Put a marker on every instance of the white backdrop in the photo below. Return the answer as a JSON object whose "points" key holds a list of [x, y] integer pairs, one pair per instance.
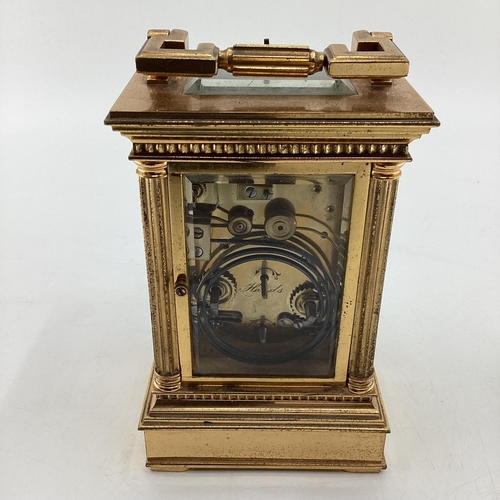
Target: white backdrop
{"points": [[74, 318]]}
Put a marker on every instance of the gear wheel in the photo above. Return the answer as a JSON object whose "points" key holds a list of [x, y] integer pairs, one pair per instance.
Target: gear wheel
{"points": [[227, 285], [300, 296]]}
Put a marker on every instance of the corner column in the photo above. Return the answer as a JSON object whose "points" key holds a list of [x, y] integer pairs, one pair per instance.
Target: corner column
{"points": [[153, 181], [378, 225]]}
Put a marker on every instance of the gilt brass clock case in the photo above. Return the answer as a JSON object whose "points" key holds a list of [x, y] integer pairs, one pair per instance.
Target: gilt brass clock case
{"points": [[267, 199]]}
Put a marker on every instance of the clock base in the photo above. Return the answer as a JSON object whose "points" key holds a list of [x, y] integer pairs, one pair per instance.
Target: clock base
{"points": [[326, 428]]}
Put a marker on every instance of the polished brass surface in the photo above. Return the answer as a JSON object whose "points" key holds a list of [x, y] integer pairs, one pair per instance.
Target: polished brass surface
{"points": [[373, 56], [235, 420]]}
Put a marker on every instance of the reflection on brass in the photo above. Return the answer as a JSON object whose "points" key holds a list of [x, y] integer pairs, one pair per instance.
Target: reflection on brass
{"points": [[373, 56], [267, 222]]}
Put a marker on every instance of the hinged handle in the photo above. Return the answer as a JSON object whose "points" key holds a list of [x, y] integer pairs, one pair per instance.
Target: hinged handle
{"points": [[373, 56]]}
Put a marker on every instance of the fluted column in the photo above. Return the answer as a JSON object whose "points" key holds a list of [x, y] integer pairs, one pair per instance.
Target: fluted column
{"points": [[378, 224], [157, 241]]}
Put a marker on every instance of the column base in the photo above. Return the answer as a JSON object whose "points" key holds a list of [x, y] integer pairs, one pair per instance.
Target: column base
{"points": [[361, 385], [264, 428], [166, 384]]}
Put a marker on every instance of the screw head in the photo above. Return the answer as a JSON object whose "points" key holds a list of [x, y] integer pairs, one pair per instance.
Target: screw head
{"points": [[251, 192], [180, 287]]}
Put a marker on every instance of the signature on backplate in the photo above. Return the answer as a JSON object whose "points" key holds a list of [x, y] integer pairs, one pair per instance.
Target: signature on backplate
{"points": [[251, 288], [255, 287]]}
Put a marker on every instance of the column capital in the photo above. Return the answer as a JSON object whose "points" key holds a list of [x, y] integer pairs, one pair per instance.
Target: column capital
{"points": [[151, 169], [387, 171]]}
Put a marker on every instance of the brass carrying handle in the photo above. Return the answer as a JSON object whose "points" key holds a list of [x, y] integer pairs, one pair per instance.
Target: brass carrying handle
{"points": [[373, 56]]}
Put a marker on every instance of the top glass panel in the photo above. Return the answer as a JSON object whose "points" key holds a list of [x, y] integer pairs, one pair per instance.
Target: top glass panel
{"points": [[226, 84]]}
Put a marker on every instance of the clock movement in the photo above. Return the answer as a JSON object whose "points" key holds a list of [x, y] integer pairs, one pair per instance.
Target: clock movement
{"points": [[268, 177]]}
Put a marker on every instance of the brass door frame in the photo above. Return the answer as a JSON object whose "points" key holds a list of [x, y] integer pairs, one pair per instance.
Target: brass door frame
{"points": [[361, 172]]}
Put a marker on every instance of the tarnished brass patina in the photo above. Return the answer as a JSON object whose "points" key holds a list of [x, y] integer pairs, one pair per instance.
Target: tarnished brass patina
{"points": [[267, 208]]}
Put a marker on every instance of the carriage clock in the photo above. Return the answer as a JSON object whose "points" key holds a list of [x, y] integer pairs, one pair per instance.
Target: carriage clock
{"points": [[268, 177]]}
